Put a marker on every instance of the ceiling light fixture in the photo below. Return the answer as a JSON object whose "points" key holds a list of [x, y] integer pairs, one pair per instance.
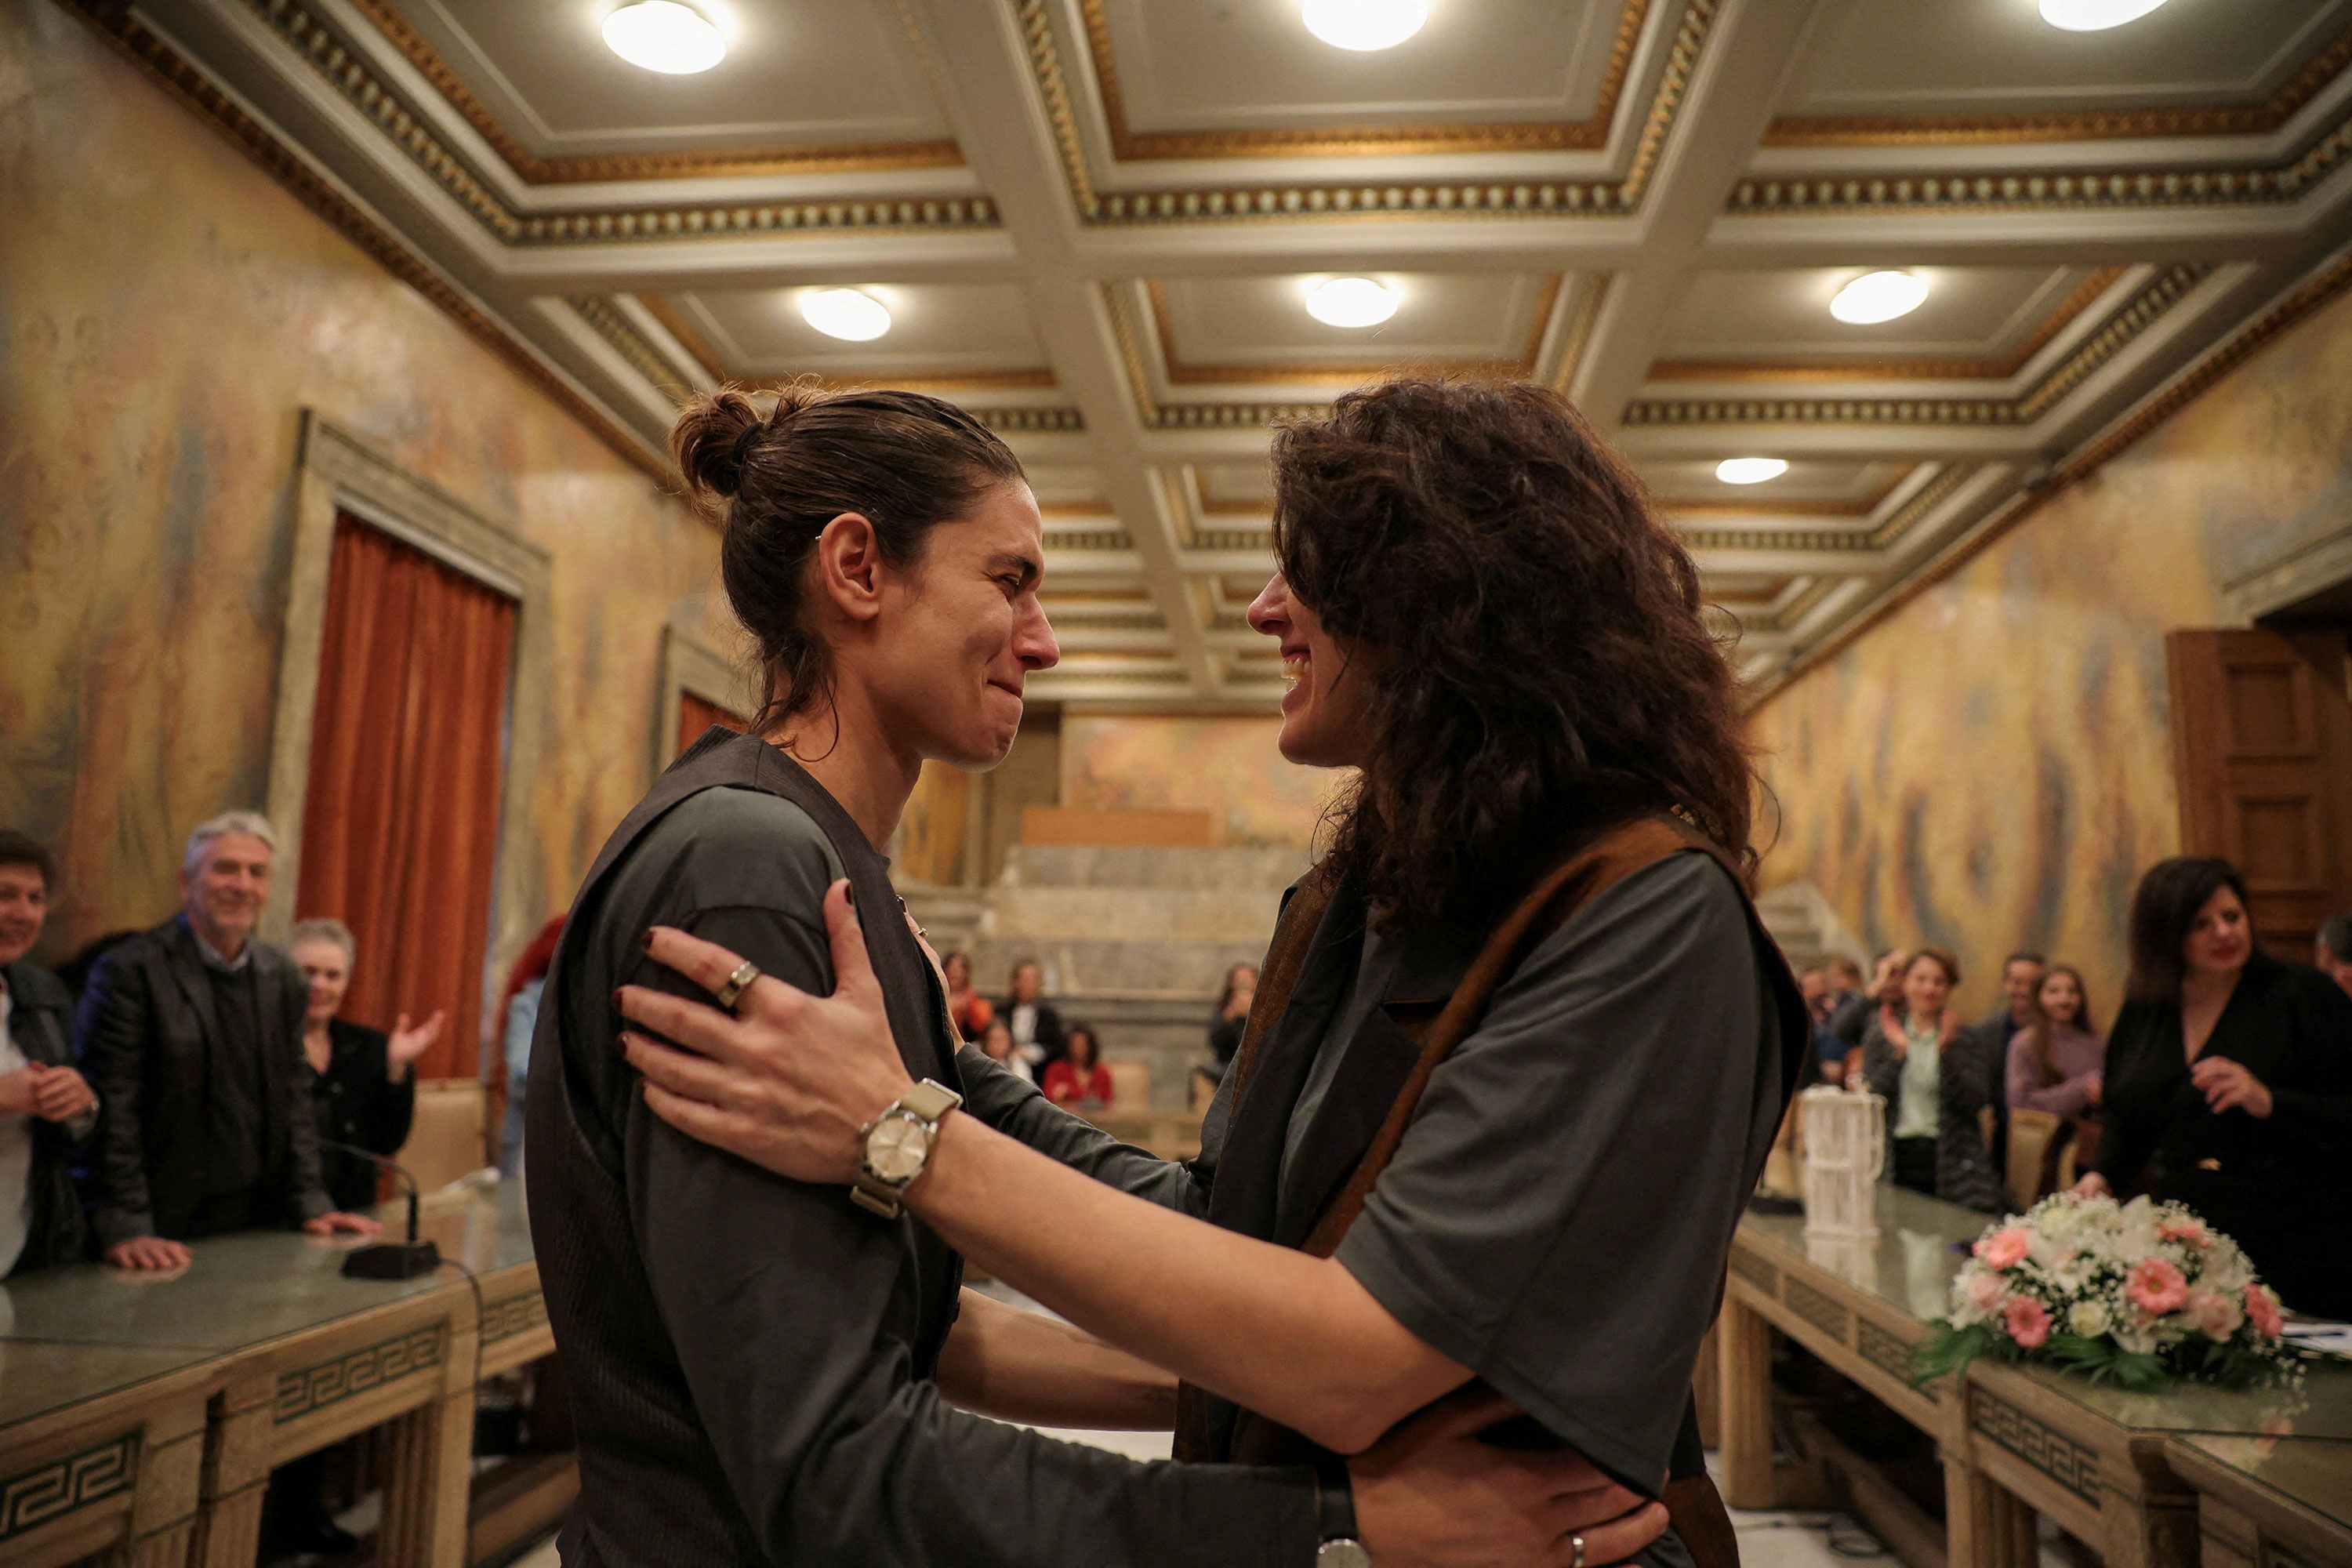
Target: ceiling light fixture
{"points": [[1877, 297], [1364, 24], [2095, 16], [665, 37], [850, 314], [1351, 302], [1750, 470]]}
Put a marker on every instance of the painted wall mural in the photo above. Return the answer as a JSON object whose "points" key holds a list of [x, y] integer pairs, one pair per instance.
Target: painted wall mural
{"points": [[1228, 766], [167, 313], [1992, 766]]}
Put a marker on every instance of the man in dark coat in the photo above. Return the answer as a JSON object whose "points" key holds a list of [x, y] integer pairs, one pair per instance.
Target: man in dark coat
{"points": [[46, 1109], [193, 1036]]}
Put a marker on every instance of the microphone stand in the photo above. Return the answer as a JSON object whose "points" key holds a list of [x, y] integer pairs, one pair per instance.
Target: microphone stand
{"points": [[388, 1259]]}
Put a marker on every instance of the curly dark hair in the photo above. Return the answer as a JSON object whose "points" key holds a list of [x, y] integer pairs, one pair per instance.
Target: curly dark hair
{"points": [[1548, 674]]}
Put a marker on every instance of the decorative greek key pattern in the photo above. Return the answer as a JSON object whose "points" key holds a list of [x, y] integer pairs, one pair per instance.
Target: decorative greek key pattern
{"points": [[1823, 1312], [1756, 1271], [1887, 1354], [2061, 1458], [330, 1382], [503, 1320], [65, 1486]]}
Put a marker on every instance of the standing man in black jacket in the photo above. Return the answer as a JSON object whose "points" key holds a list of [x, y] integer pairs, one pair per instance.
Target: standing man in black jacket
{"points": [[192, 1036], [46, 1109]]}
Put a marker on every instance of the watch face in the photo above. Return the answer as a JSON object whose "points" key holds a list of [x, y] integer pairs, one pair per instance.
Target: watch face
{"points": [[1343, 1554], [896, 1147]]}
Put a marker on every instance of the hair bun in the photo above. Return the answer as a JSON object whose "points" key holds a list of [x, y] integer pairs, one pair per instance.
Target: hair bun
{"points": [[709, 441]]}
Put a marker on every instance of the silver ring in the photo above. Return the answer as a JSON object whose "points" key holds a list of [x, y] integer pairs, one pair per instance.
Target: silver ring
{"points": [[1577, 1543], [737, 983]]}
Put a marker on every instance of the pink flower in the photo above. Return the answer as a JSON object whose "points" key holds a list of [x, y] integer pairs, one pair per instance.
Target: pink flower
{"points": [[2217, 1317], [1984, 1293], [2263, 1309], [2187, 1232], [2028, 1321], [2003, 1248], [2157, 1288]]}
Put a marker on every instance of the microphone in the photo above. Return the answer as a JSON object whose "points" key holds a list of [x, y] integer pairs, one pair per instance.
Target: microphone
{"points": [[388, 1259]]}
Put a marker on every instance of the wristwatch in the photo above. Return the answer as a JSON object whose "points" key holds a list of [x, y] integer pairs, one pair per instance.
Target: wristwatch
{"points": [[1335, 1517], [899, 1145]]}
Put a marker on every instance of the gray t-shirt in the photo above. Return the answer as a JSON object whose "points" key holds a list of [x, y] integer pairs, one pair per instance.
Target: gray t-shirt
{"points": [[1557, 1215]]}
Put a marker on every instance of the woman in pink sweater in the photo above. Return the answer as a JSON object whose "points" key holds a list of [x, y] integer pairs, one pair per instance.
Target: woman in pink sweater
{"points": [[2056, 1061]]}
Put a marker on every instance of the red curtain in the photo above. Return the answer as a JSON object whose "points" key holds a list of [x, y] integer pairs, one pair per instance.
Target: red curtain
{"points": [[696, 714], [400, 827]]}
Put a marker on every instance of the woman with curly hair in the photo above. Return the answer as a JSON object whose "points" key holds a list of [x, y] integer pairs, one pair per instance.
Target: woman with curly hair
{"points": [[1519, 1046]]}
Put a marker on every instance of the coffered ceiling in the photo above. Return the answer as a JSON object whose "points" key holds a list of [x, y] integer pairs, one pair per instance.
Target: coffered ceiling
{"points": [[1096, 222]]}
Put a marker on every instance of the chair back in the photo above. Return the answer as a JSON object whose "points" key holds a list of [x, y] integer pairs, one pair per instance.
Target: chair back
{"points": [[2031, 1134], [1130, 1084], [449, 1138]]}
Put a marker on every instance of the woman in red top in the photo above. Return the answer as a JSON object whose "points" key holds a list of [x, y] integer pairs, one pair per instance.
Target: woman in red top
{"points": [[968, 1008], [1079, 1076]]}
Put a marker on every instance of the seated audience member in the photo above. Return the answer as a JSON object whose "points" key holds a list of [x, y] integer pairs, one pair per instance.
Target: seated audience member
{"points": [[1933, 1142], [2055, 1064], [364, 1090], [996, 1044], [967, 1007], [1036, 1028], [1231, 1016], [46, 1108], [2331, 949], [518, 1017], [191, 1034], [2228, 1085], [1079, 1078]]}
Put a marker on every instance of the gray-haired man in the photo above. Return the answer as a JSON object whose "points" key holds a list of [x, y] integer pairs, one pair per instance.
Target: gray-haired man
{"points": [[191, 1034]]}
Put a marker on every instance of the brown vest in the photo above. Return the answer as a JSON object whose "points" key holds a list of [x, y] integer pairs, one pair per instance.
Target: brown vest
{"points": [[1208, 1430]]}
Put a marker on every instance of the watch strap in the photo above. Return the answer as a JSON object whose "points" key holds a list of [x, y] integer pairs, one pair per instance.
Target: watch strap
{"points": [[929, 1101], [1335, 1499]]}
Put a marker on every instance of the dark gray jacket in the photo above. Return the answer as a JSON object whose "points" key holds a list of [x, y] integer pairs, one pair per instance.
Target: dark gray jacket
{"points": [[1965, 1173], [749, 1358], [145, 1031], [40, 1018]]}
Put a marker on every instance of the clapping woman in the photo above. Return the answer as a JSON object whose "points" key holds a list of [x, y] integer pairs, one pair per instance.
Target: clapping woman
{"points": [[365, 1088], [1933, 1142], [2228, 1084]]}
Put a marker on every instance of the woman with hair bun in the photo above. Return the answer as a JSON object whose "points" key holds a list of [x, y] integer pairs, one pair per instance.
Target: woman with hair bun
{"points": [[765, 1371], [1520, 1046]]}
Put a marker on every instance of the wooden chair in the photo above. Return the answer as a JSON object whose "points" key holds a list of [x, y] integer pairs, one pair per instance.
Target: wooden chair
{"points": [[1130, 1084], [2031, 1134], [449, 1138]]}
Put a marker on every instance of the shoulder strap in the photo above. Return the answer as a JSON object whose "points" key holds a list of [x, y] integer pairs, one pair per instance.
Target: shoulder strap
{"points": [[1571, 886]]}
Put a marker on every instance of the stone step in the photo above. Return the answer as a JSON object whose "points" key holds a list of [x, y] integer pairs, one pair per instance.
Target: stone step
{"points": [[1148, 915], [1080, 866]]}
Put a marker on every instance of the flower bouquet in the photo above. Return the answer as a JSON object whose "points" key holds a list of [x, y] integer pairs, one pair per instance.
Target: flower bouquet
{"points": [[2136, 1294]]}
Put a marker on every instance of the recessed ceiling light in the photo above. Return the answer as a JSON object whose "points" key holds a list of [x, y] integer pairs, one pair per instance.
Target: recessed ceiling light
{"points": [[851, 314], [1364, 24], [665, 37], [1750, 470], [1877, 297], [2095, 16], [1351, 302]]}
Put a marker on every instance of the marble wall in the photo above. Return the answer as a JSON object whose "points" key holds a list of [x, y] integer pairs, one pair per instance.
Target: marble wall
{"points": [[1991, 766], [1226, 766], [167, 313]]}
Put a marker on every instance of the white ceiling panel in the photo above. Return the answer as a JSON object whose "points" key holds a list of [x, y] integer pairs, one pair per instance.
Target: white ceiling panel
{"points": [[1264, 321], [936, 329], [1785, 314]]}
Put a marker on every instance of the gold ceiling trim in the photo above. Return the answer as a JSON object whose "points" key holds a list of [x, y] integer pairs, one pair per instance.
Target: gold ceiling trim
{"points": [[532, 169], [2159, 189], [1928, 496], [1480, 198], [2151, 413], [2087, 126], [1590, 293], [132, 37], [1234, 539], [2132, 317], [1528, 136], [1790, 541], [1309, 373], [2044, 331], [625, 340], [698, 348], [317, 46]]}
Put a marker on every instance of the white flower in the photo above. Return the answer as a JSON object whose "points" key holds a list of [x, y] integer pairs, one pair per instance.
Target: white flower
{"points": [[2089, 1317]]}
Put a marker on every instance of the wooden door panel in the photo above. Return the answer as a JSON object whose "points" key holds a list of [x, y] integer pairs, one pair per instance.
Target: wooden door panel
{"points": [[2263, 750]]}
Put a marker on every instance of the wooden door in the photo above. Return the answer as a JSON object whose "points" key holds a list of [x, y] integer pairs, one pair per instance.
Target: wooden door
{"points": [[2262, 738]]}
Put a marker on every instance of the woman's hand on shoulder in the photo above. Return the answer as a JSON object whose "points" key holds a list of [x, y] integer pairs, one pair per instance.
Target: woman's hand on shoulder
{"points": [[788, 1080]]}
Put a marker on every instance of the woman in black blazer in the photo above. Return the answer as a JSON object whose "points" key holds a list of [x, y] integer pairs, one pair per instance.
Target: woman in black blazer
{"points": [[365, 1089], [2228, 1082]]}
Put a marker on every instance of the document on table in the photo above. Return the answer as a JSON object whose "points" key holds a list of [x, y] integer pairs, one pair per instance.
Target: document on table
{"points": [[2319, 1334]]}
